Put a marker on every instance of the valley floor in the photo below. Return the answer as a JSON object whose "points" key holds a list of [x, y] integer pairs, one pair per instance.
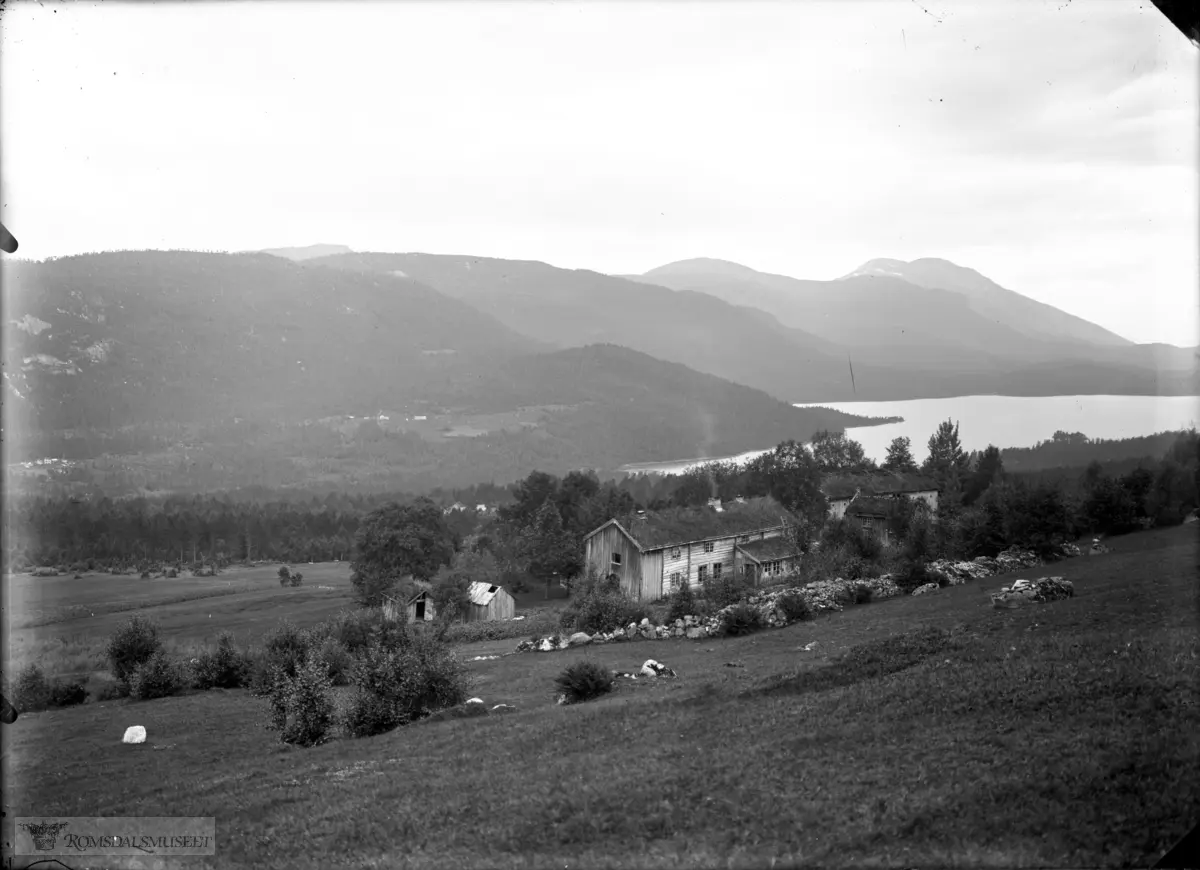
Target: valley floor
{"points": [[921, 731]]}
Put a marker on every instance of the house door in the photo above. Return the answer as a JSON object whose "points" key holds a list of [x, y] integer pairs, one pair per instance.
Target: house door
{"points": [[420, 614]]}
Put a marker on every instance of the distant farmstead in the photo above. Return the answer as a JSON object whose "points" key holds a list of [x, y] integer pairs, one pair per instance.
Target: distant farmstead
{"points": [[843, 490], [655, 553]]}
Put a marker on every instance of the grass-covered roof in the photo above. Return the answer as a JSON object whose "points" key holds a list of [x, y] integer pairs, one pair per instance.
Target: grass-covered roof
{"points": [[681, 525]]}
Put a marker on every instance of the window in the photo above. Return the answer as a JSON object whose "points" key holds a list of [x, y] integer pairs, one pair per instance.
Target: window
{"points": [[675, 554], [676, 580], [616, 560], [868, 522], [702, 573], [716, 570], [708, 546]]}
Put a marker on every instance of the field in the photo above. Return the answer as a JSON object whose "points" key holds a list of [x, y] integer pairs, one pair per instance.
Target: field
{"points": [[926, 731], [63, 623]]}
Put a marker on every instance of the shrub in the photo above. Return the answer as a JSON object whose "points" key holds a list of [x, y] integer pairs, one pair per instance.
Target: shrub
{"points": [[397, 682], [338, 662], [32, 690], [741, 619], [794, 605], [296, 579], [912, 574], [224, 668], [600, 611], [582, 681], [67, 694], [301, 705], [157, 677], [724, 591], [286, 646], [681, 603], [112, 691], [354, 629], [131, 645], [285, 576]]}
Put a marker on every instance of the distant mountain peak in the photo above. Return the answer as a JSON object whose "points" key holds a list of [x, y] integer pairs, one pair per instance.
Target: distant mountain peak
{"points": [[884, 266], [705, 265]]}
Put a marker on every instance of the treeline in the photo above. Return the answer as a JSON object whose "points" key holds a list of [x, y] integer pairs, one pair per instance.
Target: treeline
{"points": [[1076, 450], [979, 491]]}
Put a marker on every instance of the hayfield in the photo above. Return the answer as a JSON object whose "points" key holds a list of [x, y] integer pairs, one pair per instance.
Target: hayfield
{"points": [[63, 623], [927, 731]]}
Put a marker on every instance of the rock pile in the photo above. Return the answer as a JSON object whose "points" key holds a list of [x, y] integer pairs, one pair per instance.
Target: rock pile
{"points": [[1037, 591]]}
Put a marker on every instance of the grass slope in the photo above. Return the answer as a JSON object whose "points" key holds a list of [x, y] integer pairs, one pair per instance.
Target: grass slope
{"points": [[928, 731]]}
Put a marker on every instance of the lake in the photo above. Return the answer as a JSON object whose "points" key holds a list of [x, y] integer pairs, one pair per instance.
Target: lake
{"points": [[1006, 421]]}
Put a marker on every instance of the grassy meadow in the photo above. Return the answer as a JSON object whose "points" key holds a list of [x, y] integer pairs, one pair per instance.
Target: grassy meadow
{"points": [[920, 731]]}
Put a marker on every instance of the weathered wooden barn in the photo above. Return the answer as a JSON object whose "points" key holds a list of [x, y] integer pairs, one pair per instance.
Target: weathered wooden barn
{"points": [[487, 603], [842, 490], [653, 553], [418, 606], [874, 515]]}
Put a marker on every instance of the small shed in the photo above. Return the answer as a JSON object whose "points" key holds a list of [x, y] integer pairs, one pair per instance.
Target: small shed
{"points": [[488, 603], [419, 604]]}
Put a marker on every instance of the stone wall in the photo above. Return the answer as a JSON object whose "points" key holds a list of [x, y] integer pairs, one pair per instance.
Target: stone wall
{"points": [[824, 596]]}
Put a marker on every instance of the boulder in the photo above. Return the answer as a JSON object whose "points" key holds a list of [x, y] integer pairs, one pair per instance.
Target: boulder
{"points": [[579, 638], [504, 708], [134, 734], [474, 700], [651, 668], [696, 632], [546, 645], [925, 589]]}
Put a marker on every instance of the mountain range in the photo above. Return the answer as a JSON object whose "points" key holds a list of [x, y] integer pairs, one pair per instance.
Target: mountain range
{"points": [[509, 365]]}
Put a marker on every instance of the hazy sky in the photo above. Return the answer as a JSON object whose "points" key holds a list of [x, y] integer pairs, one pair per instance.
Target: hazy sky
{"points": [[1050, 145]]}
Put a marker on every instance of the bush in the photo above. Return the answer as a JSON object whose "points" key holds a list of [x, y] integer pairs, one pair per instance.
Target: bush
{"points": [[301, 705], [794, 605], [724, 591], [224, 668], [286, 646], [600, 611], [112, 691], [912, 574], [741, 619], [681, 602], [354, 629], [285, 576], [157, 677], [296, 579], [397, 683], [582, 681], [67, 694], [131, 645], [339, 664], [32, 690]]}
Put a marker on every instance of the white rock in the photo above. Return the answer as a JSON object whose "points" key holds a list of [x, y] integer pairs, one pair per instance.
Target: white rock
{"points": [[474, 700], [134, 734]]}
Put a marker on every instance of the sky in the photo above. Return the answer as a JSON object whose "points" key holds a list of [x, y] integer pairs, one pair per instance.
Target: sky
{"points": [[1052, 146]]}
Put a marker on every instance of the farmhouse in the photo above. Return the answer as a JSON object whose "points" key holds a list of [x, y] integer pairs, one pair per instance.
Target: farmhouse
{"points": [[654, 553], [842, 490]]}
